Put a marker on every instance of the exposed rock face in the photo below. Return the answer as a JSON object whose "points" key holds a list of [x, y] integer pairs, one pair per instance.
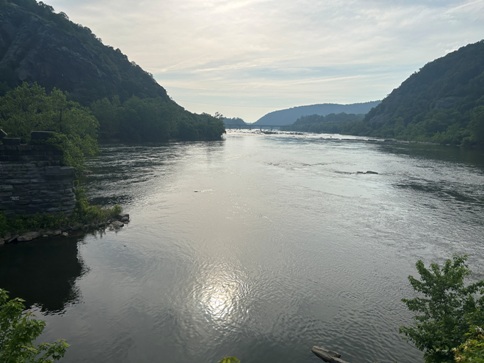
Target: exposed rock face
{"points": [[38, 45]]}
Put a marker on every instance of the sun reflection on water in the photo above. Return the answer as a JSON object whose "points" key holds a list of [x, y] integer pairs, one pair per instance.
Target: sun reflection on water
{"points": [[219, 294]]}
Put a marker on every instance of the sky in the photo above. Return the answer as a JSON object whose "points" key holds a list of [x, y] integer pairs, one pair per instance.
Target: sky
{"points": [[245, 58]]}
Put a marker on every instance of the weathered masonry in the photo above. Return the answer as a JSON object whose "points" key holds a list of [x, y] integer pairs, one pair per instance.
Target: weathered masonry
{"points": [[32, 178]]}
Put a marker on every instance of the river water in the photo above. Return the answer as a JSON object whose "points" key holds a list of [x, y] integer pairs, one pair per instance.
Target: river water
{"points": [[258, 246]]}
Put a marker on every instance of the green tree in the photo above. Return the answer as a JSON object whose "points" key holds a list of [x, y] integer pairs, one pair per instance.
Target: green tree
{"points": [[229, 360], [476, 125], [30, 108], [18, 330], [445, 310], [472, 350]]}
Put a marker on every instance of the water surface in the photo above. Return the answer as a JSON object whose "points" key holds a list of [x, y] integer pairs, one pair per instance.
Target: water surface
{"points": [[258, 246]]}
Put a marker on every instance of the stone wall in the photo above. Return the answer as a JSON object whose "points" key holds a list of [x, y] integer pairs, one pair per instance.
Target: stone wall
{"points": [[32, 179]]}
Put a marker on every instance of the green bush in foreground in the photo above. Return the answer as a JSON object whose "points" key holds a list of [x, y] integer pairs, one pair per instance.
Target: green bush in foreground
{"points": [[18, 330], [445, 311], [472, 350], [229, 360]]}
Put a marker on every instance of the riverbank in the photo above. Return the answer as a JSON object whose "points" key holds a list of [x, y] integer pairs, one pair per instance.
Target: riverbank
{"points": [[113, 223]]}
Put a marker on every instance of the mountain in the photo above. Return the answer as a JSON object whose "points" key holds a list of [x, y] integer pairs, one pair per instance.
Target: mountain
{"points": [[290, 115], [442, 102], [234, 123], [334, 123], [40, 46]]}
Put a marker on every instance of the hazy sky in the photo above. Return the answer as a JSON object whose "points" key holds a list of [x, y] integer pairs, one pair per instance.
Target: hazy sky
{"points": [[244, 58]]}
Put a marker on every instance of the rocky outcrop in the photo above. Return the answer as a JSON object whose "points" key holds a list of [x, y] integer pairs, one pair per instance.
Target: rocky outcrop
{"points": [[113, 224]]}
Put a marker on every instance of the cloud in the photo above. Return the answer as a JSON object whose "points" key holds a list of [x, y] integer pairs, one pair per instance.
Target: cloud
{"points": [[230, 55]]}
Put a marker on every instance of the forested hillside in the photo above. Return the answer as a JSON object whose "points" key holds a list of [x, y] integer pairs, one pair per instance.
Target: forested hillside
{"points": [[40, 46], [443, 102], [290, 115], [234, 122], [340, 123]]}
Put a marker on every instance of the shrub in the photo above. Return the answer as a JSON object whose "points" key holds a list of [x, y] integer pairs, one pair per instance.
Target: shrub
{"points": [[18, 330], [445, 309]]}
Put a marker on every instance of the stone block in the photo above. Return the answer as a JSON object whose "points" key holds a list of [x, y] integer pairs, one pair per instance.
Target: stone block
{"points": [[6, 188], [11, 141], [32, 179]]}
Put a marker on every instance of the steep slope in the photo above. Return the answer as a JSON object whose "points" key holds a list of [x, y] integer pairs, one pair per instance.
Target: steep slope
{"points": [[290, 115], [443, 102], [38, 45]]}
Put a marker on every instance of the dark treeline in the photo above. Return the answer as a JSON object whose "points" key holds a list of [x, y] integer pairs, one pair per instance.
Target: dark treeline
{"points": [[334, 123], [152, 120], [31, 107], [234, 122]]}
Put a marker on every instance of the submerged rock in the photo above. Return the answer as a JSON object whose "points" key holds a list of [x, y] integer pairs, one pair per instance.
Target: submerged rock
{"points": [[116, 225], [29, 236], [124, 218], [11, 239], [367, 172]]}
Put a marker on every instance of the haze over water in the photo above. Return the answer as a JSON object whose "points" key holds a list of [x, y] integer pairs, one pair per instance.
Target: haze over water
{"points": [[258, 246]]}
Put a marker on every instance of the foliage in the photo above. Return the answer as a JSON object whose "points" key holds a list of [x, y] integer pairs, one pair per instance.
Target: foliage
{"points": [[84, 214], [18, 331], [289, 116], [445, 309], [234, 123], [476, 125], [57, 53], [443, 102], [341, 123], [472, 350], [60, 55], [152, 120], [20, 224], [30, 108], [87, 213], [229, 360]]}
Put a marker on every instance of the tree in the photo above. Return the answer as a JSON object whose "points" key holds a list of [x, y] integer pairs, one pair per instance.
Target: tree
{"points": [[229, 360], [18, 330], [30, 108], [472, 350], [445, 310], [476, 125]]}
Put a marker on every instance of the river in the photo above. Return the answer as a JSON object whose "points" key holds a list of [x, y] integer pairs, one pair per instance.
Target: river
{"points": [[258, 246]]}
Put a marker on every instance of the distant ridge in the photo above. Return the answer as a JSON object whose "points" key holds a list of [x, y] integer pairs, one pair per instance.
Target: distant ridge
{"points": [[290, 115], [441, 103]]}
